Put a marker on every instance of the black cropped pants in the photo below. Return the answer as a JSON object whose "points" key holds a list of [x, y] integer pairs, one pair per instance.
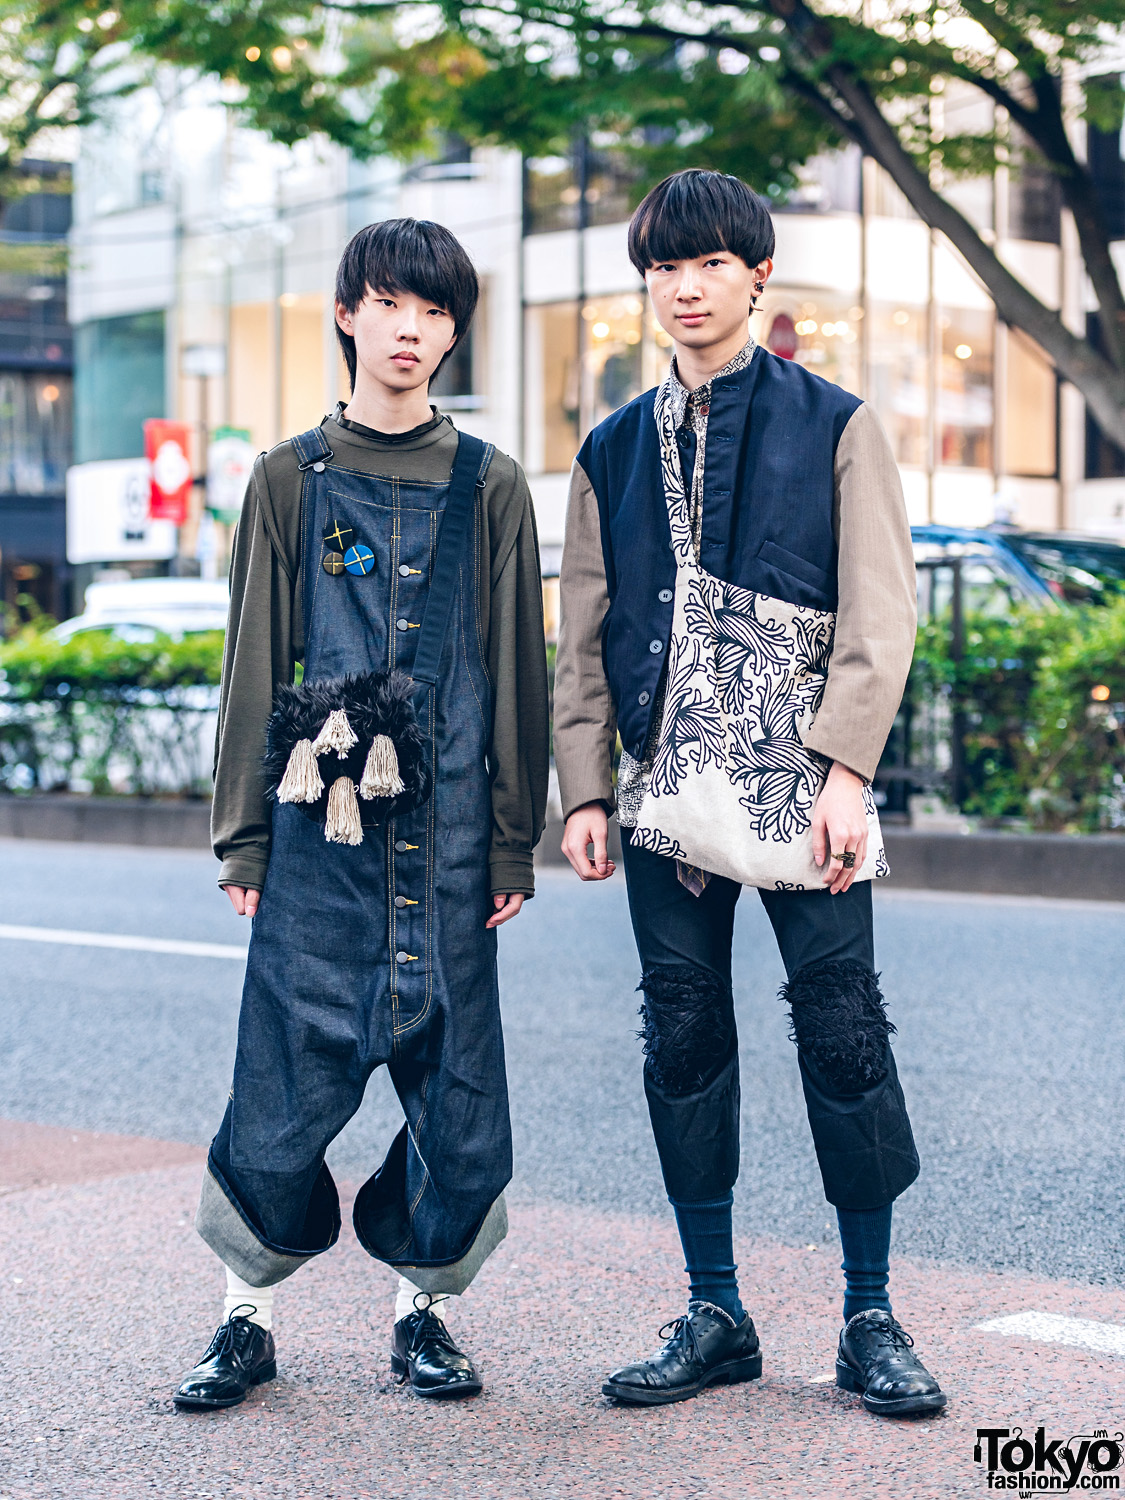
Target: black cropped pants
{"points": [[860, 1127]]}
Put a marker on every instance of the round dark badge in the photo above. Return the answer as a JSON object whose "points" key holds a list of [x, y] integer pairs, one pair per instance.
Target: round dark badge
{"points": [[333, 563], [359, 559], [338, 536]]}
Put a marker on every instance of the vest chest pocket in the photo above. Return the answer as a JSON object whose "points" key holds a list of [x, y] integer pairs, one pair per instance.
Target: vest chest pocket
{"points": [[806, 573]]}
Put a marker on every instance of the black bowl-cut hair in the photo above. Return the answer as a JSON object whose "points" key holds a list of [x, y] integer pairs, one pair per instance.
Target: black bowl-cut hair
{"points": [[407, 255], [695, 213]]}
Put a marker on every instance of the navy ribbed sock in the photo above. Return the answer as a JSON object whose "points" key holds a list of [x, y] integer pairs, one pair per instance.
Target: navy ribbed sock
{"points": [[707, 1235], [865, 1237]]}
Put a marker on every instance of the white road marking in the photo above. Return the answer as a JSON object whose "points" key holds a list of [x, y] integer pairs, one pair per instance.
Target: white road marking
{"points": [[1053, 1328], [121, 940]]}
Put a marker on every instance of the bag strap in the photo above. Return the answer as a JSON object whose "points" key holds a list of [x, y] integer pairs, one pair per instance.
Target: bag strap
{"points": [[469, 470], [311, 448]]}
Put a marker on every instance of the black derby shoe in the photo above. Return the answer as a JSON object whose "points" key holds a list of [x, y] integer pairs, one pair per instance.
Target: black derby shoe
{"points": [[423, 1351], [240, 1355], [705, 1348], [876, 1359]]}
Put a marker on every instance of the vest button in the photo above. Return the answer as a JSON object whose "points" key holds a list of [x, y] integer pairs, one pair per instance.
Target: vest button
{"points": [[403, 571], [400, 902], [642, 699], [402, 624], [656, 647], [401, 846], [402, 957], [665, 596], [318, 467]]}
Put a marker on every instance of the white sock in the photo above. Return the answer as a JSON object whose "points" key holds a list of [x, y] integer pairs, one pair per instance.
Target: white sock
{"points": [[241, 1296], [405, 1304]]}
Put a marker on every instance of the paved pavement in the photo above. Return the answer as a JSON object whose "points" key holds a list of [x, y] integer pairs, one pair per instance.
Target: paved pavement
{"points": [[116, 1061]]}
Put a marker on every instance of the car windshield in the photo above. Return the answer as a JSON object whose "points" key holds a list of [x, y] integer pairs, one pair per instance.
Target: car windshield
{"points": [[987, 585], [1077, 571]]}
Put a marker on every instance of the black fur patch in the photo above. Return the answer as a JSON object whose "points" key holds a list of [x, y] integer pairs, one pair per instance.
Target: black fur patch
{"points": [[375, 703], [839, 1023], [688, 1029]]}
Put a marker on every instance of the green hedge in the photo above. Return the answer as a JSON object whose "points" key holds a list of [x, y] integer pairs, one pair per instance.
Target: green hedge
{"points": [[1042, 695], [99, 714]]}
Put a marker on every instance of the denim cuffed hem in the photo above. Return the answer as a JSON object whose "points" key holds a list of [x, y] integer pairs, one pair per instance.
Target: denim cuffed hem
{"points": [[223, 1226], [453, 1279]]}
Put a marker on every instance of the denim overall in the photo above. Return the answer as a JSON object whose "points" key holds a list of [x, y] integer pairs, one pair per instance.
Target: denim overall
{"points": [[375, 953]]}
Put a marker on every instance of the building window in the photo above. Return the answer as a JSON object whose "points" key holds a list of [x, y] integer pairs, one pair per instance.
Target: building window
{"points": [[35, 424], [965, 408], [553, 189], [613, 328], [552, 387], [898, 374], [821, 333], [118, 383], [1030, 409]]}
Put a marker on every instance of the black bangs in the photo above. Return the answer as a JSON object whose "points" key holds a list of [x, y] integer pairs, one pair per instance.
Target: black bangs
{"points": [[407, 255], [695, 213]]}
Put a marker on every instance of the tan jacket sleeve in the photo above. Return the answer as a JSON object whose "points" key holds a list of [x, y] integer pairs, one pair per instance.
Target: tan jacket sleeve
{"points": [[518, 751], [257, 656], [585, 718], [877, 614]]}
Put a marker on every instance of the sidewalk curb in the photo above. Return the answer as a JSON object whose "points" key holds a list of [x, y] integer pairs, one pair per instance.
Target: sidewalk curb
{"points": [[1087, 867]]}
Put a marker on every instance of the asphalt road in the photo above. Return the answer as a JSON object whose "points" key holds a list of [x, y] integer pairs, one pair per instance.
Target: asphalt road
{"points": [[1010, 1049]]}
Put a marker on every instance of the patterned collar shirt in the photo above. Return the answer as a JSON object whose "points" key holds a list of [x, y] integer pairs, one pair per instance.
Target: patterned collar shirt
{"points": [[691, 410]]}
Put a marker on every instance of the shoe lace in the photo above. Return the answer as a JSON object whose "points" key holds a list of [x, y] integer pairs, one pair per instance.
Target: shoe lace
{"points": [[894, 1334], [681, 1331], [429, 1326], [236, 1324]]}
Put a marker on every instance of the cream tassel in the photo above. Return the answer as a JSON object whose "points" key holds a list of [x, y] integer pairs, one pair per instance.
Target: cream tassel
{"points": [[335, 734], [301, 782], [380, 774], [342, 825]]}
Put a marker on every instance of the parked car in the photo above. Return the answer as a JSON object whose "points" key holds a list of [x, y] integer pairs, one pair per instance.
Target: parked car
{"points": [[1002, 567], [142, 608]]}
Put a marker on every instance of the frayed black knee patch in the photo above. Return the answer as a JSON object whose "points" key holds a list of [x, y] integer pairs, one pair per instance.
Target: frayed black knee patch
{"points": [[688, 1026], [839, 1023]]}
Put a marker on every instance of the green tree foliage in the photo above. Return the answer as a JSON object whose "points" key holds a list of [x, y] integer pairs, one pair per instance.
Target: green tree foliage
{"points": [[751, 86]]}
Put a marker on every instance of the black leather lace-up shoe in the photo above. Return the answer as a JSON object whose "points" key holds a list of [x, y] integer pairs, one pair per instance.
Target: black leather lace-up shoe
{"points": [[876, 1359], [423, 1351], [704, 1348], [240, 1355]]}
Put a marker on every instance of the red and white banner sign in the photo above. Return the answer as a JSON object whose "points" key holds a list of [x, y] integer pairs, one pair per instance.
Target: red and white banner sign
{"points": [[167, 448]]}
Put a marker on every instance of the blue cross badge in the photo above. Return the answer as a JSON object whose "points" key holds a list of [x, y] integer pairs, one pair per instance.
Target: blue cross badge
{"points": [[359, 559]]}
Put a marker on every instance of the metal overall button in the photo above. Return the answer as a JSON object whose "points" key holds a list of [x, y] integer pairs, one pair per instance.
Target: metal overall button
{"points": [[405, 571], [401, 901], [406, 625], [402, 957], [401, 846]]}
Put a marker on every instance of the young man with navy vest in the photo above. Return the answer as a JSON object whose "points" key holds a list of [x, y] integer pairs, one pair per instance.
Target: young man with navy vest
{"points": [[768, 484]]}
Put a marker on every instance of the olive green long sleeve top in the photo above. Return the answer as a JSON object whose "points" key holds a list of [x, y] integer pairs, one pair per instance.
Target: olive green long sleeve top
{"points": [[266, 632]]}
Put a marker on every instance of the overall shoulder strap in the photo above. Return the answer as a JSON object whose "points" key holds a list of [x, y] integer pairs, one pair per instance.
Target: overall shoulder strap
{"points": [[469, 470], [311, 448]]}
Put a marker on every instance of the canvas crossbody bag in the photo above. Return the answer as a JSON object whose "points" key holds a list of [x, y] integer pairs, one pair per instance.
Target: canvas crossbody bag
{"points": [[732, 786], [350, 752]]}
